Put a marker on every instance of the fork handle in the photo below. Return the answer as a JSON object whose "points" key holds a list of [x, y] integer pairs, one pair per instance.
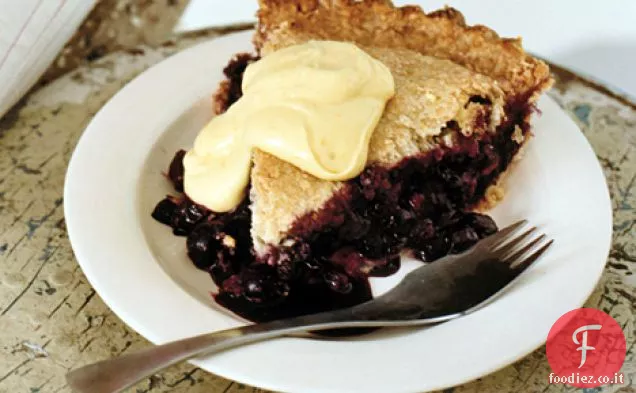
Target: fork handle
{"points": [[115, 375]]}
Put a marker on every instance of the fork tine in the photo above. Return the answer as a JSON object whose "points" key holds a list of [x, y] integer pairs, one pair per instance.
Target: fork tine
{"points": [[514, 242], [511, 257], [530, 259], [515, 271], [500, 236]]}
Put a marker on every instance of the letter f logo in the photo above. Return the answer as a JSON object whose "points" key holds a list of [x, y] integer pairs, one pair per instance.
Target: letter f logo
{"points": [[584, 347]]}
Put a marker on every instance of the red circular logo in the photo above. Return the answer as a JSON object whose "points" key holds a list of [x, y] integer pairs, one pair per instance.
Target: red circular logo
{"points": [[586, 348]]}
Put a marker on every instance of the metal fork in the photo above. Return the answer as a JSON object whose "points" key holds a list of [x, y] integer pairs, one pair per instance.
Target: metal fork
{"points": [[446, 289]]}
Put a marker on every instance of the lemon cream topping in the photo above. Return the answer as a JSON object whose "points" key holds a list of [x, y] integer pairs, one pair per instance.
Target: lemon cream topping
{"points": [[314, 105]]}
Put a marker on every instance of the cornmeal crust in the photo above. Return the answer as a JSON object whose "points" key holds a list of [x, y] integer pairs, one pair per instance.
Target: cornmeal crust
{"points": [[429, 93], [438, 64], [442, 34]]}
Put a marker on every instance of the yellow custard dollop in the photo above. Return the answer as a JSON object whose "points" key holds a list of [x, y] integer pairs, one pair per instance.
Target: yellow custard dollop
{"points": [[314, 105]]}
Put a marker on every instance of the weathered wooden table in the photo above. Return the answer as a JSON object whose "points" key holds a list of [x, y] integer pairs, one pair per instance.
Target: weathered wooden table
{"points": [[51, 320]]}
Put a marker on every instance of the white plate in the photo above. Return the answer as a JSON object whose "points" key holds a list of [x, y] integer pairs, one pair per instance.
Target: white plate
{"points": [[142, 273]]}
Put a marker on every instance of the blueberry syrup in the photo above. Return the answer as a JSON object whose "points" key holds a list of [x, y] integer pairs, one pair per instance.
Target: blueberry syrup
{"points": [[420, 207]]}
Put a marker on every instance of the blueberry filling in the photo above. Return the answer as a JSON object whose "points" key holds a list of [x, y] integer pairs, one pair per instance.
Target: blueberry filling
{"points": [[420, 206], [231, 89]]}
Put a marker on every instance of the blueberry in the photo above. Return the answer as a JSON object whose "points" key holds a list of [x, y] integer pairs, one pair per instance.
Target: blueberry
{"points": [[372, 246], [314, 265], [338, 282], [407, 221], [451, 179], [286, 270], [483, 224], [422, 231], [433, 249], [203, 245], [221, 269], [299, 250], [254, 288], [440, 201], [262, 286], [186, 216], [449, 219], [312, 270], [463, 239], [165, 210], [232, 285]]}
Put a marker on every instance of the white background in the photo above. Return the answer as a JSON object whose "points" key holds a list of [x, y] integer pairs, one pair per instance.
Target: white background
{"points": [[595, 38]]}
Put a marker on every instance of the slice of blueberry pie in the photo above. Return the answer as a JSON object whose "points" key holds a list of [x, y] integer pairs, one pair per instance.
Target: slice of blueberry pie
{"points": [[358, 131]]}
